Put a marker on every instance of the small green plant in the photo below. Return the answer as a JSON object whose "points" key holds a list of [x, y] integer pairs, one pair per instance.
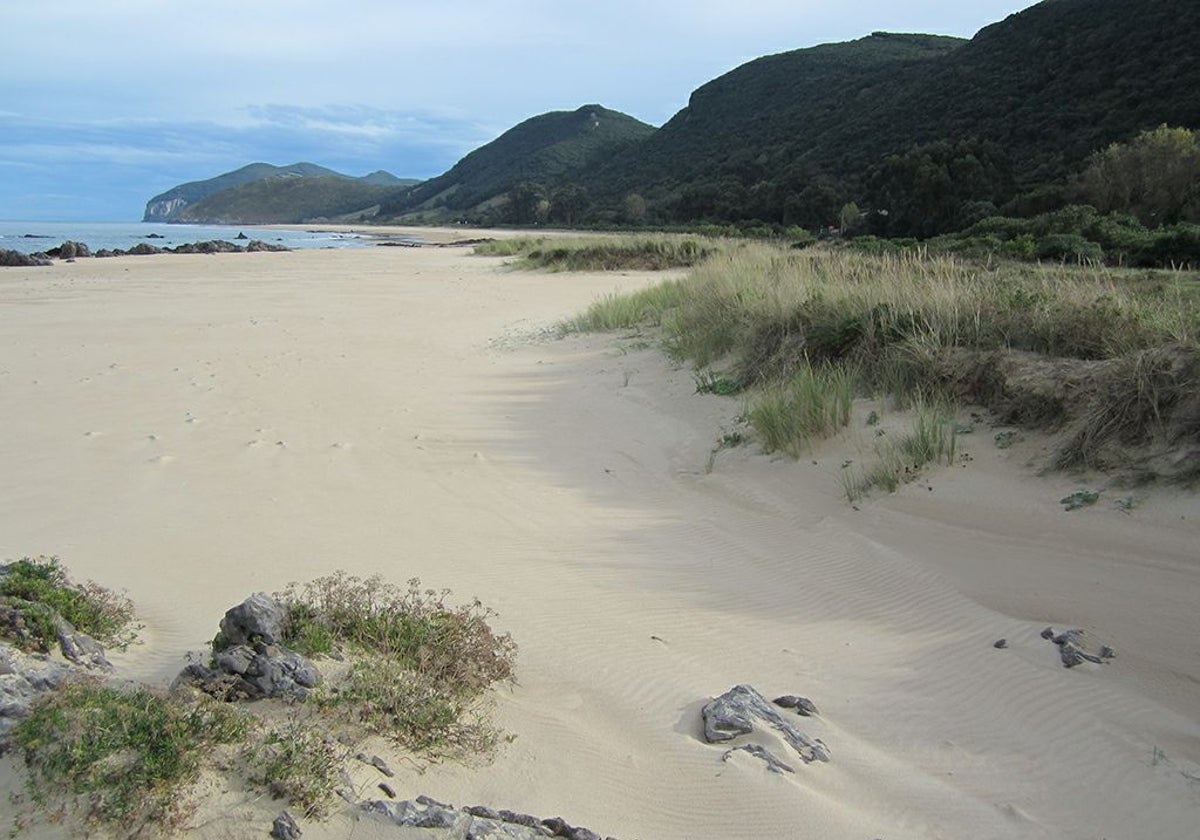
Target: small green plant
{"points": [[1080, 499], [298, 763], [129, 753], [40, 588], [1005, 439], [934, 438], [1126, 504], [708, 382]]}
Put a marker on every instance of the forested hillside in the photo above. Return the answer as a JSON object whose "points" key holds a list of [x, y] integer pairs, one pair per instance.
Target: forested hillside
{"points": [[545, 150]]}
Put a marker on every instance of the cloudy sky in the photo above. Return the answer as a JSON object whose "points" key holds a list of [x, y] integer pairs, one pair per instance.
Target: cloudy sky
{"points": [[105, 104]]}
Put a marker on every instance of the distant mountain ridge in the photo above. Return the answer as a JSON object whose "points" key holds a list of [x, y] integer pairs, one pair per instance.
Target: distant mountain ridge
{"points": [[924, 133], [171, 205]]}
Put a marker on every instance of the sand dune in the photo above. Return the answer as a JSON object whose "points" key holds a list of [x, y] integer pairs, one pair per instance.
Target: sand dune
{"points": [[195, 428]]}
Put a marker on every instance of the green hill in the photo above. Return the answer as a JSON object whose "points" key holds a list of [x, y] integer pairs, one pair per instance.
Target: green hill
{"points": [[288, 199], [545, 151], [173, 205], [789, 138]]}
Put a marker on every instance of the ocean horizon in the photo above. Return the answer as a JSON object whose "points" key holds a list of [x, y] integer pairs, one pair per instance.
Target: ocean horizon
{"points": [[30, 237]]}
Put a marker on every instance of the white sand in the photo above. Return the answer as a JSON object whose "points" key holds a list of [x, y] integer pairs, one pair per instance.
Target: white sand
{"points": [[195, 428]]}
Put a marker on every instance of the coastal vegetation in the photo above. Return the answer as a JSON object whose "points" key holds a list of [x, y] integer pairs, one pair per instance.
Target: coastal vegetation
{"points": [[1109, 359], [399, 662], [419, 667], [641, 253], [35, 592]]}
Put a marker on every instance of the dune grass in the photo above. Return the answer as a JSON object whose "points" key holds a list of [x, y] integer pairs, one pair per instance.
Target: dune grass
{"points": [[910, 326], [628, 253], [813, 404]]}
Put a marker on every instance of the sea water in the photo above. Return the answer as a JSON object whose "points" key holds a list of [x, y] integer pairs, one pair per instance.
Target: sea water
{"points": [[29, 237]]}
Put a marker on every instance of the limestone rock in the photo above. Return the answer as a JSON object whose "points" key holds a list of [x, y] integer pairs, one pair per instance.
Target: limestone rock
{"points": [[285, 827], [22, 678], [477, 822], [759, 751], [1070, 648], [803, 706], [734, 713], [259, 618], [252, 673]]}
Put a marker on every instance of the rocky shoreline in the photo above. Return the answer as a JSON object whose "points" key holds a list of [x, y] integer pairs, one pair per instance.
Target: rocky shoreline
{"points": [[71, 250]]}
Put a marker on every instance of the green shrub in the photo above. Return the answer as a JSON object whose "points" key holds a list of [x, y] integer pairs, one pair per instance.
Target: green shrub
{"points": [[130, 753], [40, 587], [1068, 247]]}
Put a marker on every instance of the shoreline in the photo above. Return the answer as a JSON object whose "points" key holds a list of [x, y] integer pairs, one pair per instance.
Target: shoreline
{"points": [[193, 430]]}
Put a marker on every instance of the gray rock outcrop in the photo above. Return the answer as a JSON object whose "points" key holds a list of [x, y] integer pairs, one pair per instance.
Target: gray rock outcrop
{"points": [[477, 822], [259, 618], [735, 713], [248, 661], [1071, 649], [23, 677]]}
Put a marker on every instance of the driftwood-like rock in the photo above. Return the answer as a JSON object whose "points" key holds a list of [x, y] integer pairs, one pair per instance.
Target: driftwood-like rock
{"points": [[803, 706], [759, 751], [1071, 650], [734, 713], [476, 821], [285, 827]]}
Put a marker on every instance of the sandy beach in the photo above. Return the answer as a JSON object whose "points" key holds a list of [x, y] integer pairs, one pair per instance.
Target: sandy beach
{"points": [[192, 429]]}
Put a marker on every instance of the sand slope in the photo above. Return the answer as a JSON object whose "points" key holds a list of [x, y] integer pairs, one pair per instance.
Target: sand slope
{"points": [[196, 428]]}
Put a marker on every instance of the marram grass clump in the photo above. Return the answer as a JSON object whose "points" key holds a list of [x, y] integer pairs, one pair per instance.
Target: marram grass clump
{"points": [[905, 326], [595, 253]]}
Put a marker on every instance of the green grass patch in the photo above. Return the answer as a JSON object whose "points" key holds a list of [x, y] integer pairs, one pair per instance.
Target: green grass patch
{"points": [[624, 253], [298, 762], [516, 246], [643, 308], [127, 753], [932, 440], [815, 403], [40, 587]]}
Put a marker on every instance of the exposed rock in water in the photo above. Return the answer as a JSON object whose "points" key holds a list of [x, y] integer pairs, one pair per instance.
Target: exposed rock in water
{"points": [[16, 259], [70, 250], [735, 712]]}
